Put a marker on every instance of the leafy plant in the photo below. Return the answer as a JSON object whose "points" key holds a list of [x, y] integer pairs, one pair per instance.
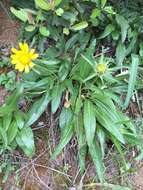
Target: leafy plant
{"points": [[8, 80], [76, 72], [13, 130]]}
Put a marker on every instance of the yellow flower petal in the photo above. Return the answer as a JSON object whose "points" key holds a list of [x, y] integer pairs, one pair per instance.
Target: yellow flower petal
{"points": [[24, 47], [27, 69], [13, 56], [34, 56], [14, 62], [23, 57], [19, 67], [20, 45], [14, 50], [31, 65]]}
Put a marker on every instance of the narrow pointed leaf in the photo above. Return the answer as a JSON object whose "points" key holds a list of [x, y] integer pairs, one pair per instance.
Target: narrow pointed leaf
{"points": [[66, 136], [89, 121], [97, 160], [132, 79], [37, 109]]}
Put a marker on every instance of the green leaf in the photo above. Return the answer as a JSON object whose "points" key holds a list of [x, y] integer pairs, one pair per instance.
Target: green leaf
{"points": [[95, 13], [19, 119], [108, 30], [3, 135], [120, 53], [101, 137], [12, 101], [44, 31], [86, 67], [82, 146], [78, 105], [57, 2], [132, 139], [80, 26], [115, 35], [109, 10], [66, 31], [71, 42], [25, 140], [12, 132], [141, 49], [65, 117], [43, 4], [30, 28], [133, 43], [132, 79], [37, 109], [103, 3], [59, 11], [123, 23], [119, 148], [66, 135], [97, 160], [56, 98], [7, 121], [108, 124], [21, 14], [89, 121]]}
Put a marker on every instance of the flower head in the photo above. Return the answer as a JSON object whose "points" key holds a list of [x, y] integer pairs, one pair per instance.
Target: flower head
{"points": [[22, 58], [101, 68]]}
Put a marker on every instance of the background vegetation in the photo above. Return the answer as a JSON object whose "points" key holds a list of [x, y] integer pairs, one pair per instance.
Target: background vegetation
{"points": [[88, 72]]}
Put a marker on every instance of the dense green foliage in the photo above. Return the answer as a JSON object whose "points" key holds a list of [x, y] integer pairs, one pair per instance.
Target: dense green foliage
{"points": [[75, 38]]}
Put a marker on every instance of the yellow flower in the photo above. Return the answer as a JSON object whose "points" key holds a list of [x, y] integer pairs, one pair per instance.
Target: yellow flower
{"points": [[101, 68], [22, 58]]}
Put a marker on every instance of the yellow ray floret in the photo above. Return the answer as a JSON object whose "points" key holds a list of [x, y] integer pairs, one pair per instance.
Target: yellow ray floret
{"points": [[22, 58]]}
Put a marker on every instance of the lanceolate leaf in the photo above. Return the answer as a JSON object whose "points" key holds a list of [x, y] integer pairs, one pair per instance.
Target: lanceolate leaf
{"points": [[120, 53], [71, 42], [108, 30], [6, 121], [65, 117], [89, 121], [103, 3], [132, 79], [25, 140], [124, 26], [119, 148], [101, 137], [82, 146], [66, 135], [19, 119], [3, 135], [97, 159], [37, 109], [108, 124], [56, 98], [12, 131], [80, 26]]}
